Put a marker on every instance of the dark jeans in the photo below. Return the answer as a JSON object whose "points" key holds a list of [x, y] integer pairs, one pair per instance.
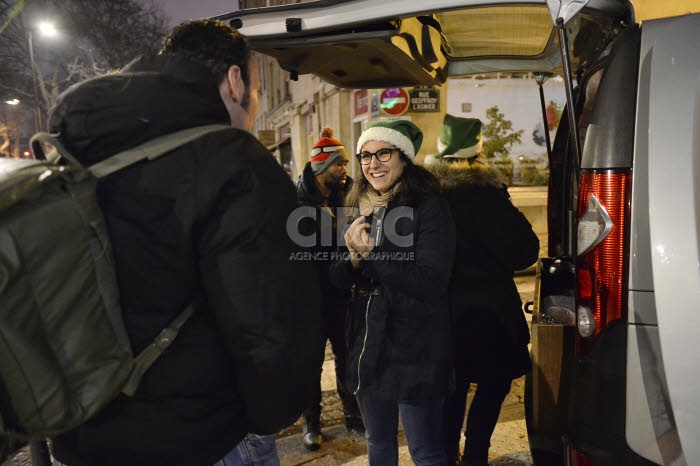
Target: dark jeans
{"points": [[335, 332], [421, 422], [481, 420], [253, 450]]}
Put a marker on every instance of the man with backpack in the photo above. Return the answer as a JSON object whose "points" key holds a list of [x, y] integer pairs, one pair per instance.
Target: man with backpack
{"points": [[204, 224]]}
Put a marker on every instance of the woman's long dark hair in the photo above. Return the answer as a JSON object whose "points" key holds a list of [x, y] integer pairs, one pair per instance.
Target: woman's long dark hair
{"points": [[417, 183]]}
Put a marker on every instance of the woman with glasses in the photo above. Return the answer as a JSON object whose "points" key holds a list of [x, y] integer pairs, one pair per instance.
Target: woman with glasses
{"points": [[399, 263]]}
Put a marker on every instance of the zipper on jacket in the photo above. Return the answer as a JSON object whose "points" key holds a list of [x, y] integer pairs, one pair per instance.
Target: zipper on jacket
{"points": [[364, 342]]}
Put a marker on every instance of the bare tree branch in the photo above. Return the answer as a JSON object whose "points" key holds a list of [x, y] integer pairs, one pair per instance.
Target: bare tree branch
{"points": [[95, 36]]}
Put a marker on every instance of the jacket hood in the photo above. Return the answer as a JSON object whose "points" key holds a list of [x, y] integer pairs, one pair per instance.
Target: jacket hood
{"points": [[150, 97], [454, 174]]}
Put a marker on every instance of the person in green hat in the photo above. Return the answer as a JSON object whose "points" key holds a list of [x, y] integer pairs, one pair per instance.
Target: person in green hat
{"points": [[490, 332], [398, 325], [459, 139]]}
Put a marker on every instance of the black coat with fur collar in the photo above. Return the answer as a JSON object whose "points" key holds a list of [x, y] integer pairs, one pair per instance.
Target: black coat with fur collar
{"points": [[494, 239]]}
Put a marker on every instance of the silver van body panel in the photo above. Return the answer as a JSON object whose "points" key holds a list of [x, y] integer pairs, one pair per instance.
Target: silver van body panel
{"points": [[640, 276], [672, 47], [642, 308], [650, 428]]}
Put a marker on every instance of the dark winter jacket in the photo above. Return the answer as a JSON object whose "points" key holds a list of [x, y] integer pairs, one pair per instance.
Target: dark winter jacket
{"points": [[399, 325], [334, 299], [494, 240], [203, 223]]}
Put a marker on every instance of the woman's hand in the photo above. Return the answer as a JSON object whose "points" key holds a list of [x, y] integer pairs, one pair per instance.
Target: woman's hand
{"points": [[358, 241], [355, 257]]}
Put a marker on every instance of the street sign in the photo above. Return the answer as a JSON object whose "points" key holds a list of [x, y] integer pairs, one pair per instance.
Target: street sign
{"points": [[424, 99], [394, 101]]}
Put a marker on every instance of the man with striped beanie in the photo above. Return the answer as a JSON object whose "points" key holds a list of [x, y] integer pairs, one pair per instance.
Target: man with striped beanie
{"points": [[323, 185]]}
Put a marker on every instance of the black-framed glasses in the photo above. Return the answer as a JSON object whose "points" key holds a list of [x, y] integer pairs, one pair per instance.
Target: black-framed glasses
{"points": [[383, 155]]}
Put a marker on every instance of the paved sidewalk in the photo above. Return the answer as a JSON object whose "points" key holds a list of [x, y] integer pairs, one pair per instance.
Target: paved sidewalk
{"points": [[509, 446]]}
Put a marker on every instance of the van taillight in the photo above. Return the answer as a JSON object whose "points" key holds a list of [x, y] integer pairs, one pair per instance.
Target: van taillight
{"points": [[601, 266]]}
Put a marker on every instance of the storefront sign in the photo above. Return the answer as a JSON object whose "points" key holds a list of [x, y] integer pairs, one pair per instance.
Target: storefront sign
{"points": [[361, 100], [424, 99]]}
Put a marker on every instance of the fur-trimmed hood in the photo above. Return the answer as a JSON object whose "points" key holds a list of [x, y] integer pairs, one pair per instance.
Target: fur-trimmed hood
{"points": [[454, 174]]}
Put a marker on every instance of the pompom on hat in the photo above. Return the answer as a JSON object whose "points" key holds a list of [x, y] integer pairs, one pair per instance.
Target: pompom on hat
{"points": [[460, 138], [403, 134], [326, 151]]}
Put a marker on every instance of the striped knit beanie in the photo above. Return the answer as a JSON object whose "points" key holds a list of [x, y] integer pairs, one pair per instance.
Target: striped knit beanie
{"points": [[326, 151]]}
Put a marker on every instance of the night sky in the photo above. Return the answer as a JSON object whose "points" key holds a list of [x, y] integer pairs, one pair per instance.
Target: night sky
{"points": [[180, 10]]}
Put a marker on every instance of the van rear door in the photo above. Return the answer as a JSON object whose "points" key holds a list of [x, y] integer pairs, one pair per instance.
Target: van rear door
{"points": [[370, 44]]}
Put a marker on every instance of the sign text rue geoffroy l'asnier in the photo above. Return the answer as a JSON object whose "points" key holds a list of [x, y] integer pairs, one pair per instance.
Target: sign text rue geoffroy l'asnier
{"points": [[424, 99]]}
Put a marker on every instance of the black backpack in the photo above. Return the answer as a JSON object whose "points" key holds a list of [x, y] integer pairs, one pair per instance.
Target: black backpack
{"points": [[64, 351]]}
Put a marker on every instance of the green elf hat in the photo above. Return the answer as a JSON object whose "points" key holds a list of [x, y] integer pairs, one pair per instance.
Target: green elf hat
{"points": [[403, 134], [460, 138]]}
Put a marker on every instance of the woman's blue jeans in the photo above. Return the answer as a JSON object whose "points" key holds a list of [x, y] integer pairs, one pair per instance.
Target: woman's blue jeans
{"points": [[253, 450], [422, 424]]}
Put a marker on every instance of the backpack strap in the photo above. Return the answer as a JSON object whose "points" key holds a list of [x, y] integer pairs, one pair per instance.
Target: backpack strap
{"points": [[148, 356], [151, 149]]}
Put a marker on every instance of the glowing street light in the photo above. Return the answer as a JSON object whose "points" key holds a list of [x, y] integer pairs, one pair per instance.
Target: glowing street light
{"points": [[47, 29], [12, 102]]}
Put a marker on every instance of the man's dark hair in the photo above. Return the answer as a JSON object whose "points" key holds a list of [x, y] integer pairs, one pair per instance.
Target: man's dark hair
{"points": [[211, 43]]}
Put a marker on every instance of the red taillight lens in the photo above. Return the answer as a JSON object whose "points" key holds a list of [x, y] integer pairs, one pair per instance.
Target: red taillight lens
{"points": [[576, 458], [601, 270]]}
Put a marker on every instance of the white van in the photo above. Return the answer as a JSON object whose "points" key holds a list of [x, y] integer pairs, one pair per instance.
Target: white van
{"points": [[616, 319]]}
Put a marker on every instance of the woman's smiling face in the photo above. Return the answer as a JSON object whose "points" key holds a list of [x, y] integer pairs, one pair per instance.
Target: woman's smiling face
{"points": [[383, 175]]}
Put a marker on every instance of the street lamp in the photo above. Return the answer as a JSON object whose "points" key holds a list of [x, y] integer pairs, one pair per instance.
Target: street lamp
{"points": [[46, 29]]}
